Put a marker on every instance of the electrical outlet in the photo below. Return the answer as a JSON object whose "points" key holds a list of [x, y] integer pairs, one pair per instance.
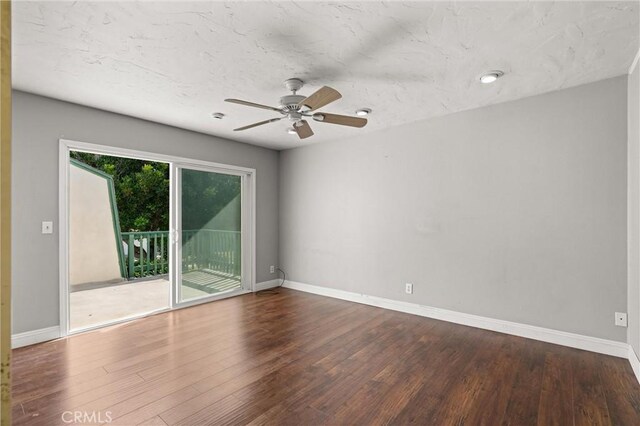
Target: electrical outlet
{"points": [[47, 227], [272, 269], [408, 288], [621, 319]]}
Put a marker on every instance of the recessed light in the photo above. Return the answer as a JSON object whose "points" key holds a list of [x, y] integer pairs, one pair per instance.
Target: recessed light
{"points": [[218, 115], [490, 76], [292, 131], [363, 111]]}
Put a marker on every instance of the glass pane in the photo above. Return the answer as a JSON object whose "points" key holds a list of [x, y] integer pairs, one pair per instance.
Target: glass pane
{"points": [[211, 238]]}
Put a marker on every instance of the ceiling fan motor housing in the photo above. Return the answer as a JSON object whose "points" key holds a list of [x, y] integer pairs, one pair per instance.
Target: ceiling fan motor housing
{"points": [[290, 102]]}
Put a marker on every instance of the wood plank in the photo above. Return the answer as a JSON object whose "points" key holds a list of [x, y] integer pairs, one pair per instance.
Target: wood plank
{"points": [[618, 385], [556, 397], [100, 397], [590, 404], [455, 351], [524, 399], [136, 410], [154, 421], [296, 358], [292, 383]]}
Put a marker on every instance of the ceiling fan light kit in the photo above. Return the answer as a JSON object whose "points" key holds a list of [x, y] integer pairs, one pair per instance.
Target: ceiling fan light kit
{"points": [[296, 107]]}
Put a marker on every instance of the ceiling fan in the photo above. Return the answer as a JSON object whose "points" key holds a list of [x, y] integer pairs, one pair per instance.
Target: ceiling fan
{"points": [[296, 107]]}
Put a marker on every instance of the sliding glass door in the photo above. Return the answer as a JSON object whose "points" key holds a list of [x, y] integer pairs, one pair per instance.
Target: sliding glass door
{"points": [[210, 229], [142, 232]]}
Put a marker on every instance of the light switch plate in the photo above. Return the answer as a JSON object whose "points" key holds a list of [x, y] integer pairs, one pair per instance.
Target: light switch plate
{"points": [[47, 227]]}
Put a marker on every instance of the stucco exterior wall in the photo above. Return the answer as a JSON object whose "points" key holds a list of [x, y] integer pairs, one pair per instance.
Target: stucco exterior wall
{"points": [[93, 253]]}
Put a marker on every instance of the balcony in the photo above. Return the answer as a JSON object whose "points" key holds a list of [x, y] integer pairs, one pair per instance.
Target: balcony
{"points": [[211, 263]]}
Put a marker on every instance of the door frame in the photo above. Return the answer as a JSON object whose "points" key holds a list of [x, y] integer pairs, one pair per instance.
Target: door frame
{"points": [[249, 185]]}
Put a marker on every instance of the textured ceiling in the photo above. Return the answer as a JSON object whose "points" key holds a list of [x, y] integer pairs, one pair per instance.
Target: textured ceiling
{"points": [[175, 62]]}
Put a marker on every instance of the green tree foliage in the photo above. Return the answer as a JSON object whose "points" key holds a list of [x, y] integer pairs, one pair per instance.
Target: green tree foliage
{"points": [[205, 195], [142, 193]]}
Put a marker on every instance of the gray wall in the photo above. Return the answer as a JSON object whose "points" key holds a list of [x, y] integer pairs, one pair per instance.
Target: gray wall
{"points": [[38, 123], [515, 211], [633, 313]]}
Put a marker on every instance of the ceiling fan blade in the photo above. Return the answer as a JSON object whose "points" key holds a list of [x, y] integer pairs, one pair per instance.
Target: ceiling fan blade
{"points": [[321, 97], [343, 120], [258, 124], [303, 129], [251, 104]]}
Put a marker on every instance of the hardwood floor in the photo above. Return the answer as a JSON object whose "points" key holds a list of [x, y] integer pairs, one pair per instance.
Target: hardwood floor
{"points": [[301, 359]]}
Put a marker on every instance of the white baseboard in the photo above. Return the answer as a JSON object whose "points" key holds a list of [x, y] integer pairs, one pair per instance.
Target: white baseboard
{"points": [[593, 344], [36, 336], [635, 362], [268, 284]]}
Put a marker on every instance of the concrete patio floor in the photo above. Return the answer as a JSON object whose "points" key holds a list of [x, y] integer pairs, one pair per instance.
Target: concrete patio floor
{"points": [[112, 303]]}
